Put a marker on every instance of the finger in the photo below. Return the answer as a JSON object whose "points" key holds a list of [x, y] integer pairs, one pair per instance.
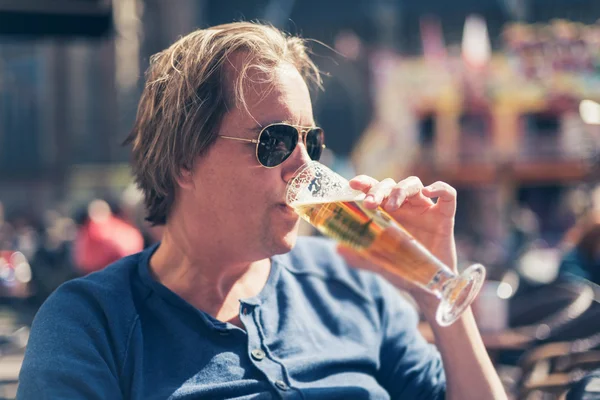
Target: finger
{"points": [[407, 189], [379, 193], [376, 191], [363, 183], [446, 196]]}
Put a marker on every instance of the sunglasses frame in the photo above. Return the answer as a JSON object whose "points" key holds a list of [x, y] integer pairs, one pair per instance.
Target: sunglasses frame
{"points": [[301, 130]]}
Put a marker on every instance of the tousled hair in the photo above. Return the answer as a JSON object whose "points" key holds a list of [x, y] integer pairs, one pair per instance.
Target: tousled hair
{"points": [[189, 88]]}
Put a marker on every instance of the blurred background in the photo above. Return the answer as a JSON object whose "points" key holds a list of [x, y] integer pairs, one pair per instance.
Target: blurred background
{"points": [[500, 98]]}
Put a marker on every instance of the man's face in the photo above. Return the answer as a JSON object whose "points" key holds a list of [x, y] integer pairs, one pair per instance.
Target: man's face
{"points": [[232, 195]]}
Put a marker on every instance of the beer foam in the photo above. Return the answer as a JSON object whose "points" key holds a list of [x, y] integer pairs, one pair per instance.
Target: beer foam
{"points": [[314, 183], [344, 197]]}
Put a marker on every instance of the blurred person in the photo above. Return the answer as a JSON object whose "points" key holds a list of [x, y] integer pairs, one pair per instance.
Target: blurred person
{"points": [[231, 304], [52, 264], [581, 247], [104, 238], [524, 229], [25, 234]]}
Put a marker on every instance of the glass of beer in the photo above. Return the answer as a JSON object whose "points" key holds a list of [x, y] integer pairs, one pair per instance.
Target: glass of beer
{"points": [[325, 200]]}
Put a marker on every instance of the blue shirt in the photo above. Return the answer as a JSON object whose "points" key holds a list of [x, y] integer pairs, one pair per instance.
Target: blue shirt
{"points": [[318, 330]]}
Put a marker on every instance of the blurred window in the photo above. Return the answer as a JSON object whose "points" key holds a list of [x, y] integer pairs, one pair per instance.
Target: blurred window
{"points": [[475, 136], [20, 109], [427, 131], [540, 136], [542, 124]]}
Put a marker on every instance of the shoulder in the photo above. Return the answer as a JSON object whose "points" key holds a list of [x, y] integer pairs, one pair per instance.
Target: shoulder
{"points": [[98, 301], [80, 336], [111, 285]]}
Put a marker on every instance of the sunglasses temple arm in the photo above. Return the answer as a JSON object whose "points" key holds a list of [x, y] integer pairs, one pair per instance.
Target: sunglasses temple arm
{"points": [[254, 141]]}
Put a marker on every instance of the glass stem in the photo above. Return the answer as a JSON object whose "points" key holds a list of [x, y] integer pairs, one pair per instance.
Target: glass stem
{"points": [[441, 282]]}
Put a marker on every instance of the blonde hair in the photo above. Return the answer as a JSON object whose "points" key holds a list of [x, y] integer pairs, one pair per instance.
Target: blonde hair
{"points": [[188, 91]]}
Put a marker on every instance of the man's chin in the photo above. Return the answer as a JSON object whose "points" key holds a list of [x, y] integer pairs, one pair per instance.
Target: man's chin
{"points": [[286, 243]]}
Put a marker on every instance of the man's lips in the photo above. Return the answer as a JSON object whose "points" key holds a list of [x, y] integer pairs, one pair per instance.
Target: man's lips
{"points": [[286, 208]]}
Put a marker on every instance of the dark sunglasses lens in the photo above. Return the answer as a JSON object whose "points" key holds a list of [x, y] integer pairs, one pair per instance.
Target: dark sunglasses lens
{"points": [[275, 144], [314, 143]]}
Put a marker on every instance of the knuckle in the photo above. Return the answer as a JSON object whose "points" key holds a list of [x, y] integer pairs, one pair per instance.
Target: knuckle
{"points": [[375, 188], [400, 190], [415, 180], [444, 186], [362, 178], [396, 193]]}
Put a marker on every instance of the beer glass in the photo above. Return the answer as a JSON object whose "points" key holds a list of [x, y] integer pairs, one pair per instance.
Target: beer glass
{"points": [[325, 200]]}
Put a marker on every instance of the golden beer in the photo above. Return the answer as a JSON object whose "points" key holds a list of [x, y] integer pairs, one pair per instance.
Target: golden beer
{"points": [[375, 235], [326, 200]]}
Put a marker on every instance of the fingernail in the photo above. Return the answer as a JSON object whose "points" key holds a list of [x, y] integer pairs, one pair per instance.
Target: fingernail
{"points": [[370, 201], [392, 203], [400, 201]]}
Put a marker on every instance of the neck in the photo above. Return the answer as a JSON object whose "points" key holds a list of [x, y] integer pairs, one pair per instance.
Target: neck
{"points": [[206, 272]]}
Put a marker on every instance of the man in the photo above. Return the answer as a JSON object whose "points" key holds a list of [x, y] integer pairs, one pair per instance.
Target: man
{"points": [[223, 307]]}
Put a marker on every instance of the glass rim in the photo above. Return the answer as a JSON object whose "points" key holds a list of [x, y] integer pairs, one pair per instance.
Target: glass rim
{"points": [[289, 197]]}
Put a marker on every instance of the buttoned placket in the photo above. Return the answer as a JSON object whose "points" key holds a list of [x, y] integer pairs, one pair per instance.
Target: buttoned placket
{"points": [[274, 371]]}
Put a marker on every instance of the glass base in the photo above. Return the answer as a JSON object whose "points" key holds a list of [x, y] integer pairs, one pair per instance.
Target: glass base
{"points": [[459, 293]]}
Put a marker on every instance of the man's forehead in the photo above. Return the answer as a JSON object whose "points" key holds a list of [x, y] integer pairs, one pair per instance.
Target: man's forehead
{"points": [[251, 69], [266, 95]]}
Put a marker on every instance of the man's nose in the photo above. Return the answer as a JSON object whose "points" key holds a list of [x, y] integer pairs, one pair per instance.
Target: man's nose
{"points": [[298, 158]]}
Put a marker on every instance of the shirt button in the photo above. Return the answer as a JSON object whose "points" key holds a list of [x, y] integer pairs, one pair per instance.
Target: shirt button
{"points": [[258, 354], [245, 310], [281, 385]]}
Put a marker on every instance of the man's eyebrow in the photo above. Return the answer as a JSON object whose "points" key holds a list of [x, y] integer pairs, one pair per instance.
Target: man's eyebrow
{"points": [[260, 126], [257, 128]]}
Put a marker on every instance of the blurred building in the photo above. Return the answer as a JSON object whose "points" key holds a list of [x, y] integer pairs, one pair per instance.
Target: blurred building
{"points": [[503, 127], [67, 102], [58, 109], [401, 95]]}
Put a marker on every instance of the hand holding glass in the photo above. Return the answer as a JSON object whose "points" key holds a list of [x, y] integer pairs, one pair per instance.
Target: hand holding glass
{"points": [[325, 200]]}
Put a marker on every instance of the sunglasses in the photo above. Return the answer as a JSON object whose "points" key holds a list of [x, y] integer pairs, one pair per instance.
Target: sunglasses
{"points": [[276, 142]]}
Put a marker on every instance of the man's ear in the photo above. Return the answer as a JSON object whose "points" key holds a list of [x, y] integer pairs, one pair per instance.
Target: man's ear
{"points": [[185, 178]]}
